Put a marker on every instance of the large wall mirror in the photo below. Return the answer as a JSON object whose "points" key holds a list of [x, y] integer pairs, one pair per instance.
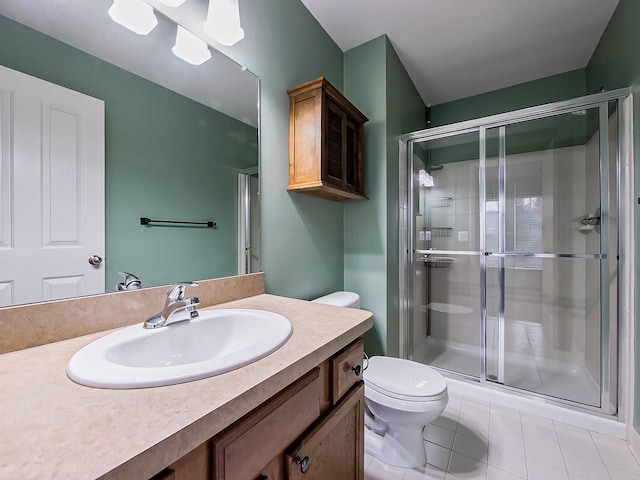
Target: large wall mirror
{"points": [[181, 143]]}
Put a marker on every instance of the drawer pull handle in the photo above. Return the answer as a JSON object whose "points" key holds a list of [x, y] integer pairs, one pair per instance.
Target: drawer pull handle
{"points": [[304, 463], [357, 369]]}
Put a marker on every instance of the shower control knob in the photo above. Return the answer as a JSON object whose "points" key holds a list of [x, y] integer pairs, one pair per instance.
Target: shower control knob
{"points": [[304, 463], [357, 369]]}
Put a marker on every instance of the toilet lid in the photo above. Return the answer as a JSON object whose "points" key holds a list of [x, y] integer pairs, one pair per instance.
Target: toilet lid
{"points": [[399, 377], [340, 299]]}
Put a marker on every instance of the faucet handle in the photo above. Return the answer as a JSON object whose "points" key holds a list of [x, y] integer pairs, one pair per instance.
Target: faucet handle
{"points": [[176, 291]]}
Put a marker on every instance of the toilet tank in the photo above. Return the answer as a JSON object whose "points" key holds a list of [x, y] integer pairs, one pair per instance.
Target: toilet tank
{"points": [[340, 299]]}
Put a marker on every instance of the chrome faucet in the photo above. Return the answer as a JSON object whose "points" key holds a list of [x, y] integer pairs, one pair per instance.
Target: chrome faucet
{"points": [[176, 308]]}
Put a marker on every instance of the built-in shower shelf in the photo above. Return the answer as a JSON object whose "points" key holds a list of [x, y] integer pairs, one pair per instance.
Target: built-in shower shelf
{"points": [[438, 262], [438, 202], [441, 231]]}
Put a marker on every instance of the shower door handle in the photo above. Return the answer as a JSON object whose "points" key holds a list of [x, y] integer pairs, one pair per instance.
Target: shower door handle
{"points": [[587, 256]]}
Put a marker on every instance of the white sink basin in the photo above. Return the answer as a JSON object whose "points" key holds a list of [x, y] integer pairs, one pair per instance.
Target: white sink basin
{"points": [[215, 342]]}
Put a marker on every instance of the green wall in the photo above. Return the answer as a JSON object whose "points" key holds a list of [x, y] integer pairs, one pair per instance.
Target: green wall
{"points": [[406, 112], [615, 64], [302, 242], [365, 249], [377, 83], [166, 157], [537, 92]]}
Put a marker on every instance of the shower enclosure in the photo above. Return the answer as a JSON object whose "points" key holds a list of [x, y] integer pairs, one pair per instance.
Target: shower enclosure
{"points": [[509, 253]]}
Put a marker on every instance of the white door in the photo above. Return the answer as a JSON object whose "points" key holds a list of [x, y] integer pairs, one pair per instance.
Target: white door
{"points": [[51, 191]]}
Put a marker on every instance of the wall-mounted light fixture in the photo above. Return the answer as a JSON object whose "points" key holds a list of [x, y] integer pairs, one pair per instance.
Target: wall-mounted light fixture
{"points": [[135, 15], [425, 179], [223, 22], [190, 48]]}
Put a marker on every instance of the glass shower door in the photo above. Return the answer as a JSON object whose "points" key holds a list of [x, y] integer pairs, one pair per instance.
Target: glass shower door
{"points": [[548, 209], [447, 248]]}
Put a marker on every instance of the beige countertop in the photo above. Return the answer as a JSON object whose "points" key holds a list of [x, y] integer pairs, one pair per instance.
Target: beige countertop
{"points": [[52, 427]]}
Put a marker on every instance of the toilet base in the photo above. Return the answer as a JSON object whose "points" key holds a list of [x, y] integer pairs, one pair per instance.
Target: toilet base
{"points": [[402, 446]]}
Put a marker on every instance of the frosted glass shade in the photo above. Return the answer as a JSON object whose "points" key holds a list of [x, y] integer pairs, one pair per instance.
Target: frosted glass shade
{"points": [[190, 48], [135, 15], [223, 21], [172, 3], [425, 179]]}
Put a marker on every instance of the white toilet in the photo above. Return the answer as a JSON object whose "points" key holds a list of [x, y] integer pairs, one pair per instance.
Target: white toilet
{"points": [[401, 396]]}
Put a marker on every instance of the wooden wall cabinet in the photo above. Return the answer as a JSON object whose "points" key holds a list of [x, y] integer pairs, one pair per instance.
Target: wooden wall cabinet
{"points": [[313, 429], [326, 137]]}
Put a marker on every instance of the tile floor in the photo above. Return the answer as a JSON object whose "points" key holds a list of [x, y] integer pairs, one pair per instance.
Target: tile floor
{"points": [[476, 440]]}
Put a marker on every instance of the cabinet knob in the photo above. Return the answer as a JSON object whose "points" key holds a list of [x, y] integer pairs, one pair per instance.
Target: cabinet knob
{"points": [[304, 463], [357, 369]]}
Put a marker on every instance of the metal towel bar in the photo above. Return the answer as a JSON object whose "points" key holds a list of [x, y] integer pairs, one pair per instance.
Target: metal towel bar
{"points": [[148, 221]]}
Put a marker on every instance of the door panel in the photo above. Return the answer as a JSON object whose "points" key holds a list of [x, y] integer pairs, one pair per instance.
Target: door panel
{"points": [[448, 241], [544, 264], [52, 195]]}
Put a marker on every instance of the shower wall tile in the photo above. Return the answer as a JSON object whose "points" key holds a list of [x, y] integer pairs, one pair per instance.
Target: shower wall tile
{"points": [[446, 175], [466, 206], [467, 172], [442, 217], [443, 190]]}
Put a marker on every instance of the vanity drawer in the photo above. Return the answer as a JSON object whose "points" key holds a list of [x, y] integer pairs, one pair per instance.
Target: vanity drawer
{"points": [[255, 440], [346, 369]]}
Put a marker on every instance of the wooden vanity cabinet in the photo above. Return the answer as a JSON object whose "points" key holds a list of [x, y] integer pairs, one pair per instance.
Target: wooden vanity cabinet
{"points": [[326, 138], [255, 441], [195, 465], [313, 429], [333, 448]]}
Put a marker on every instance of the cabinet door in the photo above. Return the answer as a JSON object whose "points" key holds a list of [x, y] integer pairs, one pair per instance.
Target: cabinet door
{"points": [[273, 471], [253, 442], [346, 369], [333, 448], [353, 157], [195, 465], [334, 144]]}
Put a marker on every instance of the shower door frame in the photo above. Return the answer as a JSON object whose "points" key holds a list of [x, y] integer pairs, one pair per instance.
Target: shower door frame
{"points": [[609, 360]]}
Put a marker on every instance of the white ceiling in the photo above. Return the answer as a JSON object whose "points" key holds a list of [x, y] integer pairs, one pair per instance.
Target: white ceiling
{"points": [[458, 48]]}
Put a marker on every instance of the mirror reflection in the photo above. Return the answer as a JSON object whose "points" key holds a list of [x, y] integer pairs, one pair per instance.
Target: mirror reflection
{"points": [[180, 143]]}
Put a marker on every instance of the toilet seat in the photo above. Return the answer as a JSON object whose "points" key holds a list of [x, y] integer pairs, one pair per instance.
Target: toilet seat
{"points": [[404, 379], [385, 397]]}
